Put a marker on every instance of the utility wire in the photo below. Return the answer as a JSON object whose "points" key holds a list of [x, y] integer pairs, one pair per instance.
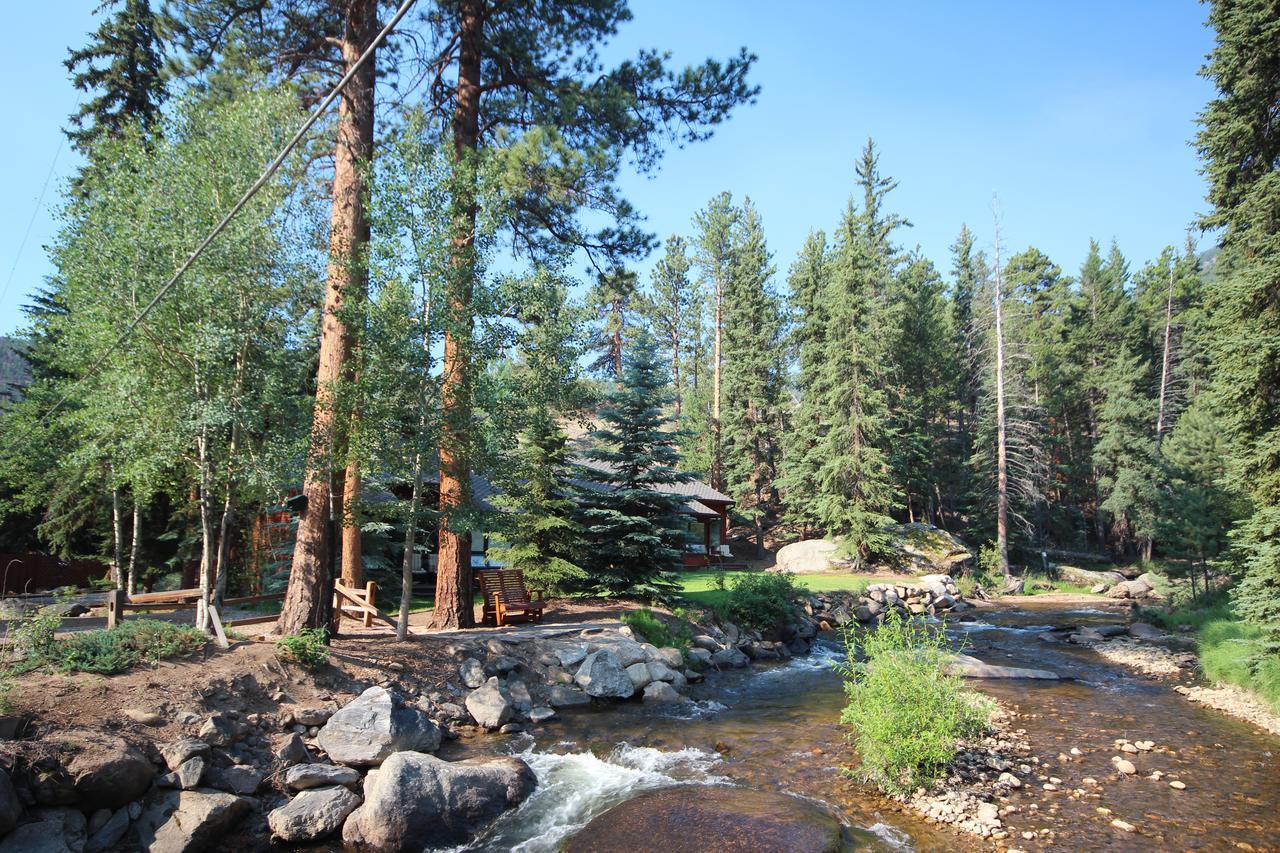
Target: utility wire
{"points": [[4, 291], [271, 169]]}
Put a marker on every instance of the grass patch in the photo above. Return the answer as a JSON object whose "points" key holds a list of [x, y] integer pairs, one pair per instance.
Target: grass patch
{"points": [[705, 588], [653, 630], [907, 715], [1041, 585], [109, 652], [309, 648], [1231, 650]]}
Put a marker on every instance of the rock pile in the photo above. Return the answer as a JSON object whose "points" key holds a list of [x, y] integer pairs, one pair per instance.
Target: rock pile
{"points": [[931, 595]]}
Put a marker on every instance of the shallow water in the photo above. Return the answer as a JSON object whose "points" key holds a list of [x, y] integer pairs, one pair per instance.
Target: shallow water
{"points": [[777, 729]]}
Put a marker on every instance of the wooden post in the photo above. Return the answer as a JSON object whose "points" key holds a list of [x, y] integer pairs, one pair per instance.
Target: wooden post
{"points": [[219, 636], [115, 607], [371, 599]]}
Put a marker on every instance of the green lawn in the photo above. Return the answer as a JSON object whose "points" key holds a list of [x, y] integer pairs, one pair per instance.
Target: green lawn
{"points": [[700, 587]]}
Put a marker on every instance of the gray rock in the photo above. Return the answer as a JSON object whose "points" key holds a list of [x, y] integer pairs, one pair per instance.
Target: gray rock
{"points": [[511, 728], [1145, 631], [313, 716], [502, 664], [314, 814], [701, 657], [661, 672], [564, 696], [10, 805], [1085, 636], [661, 691], [416, 801], [240, 779], [518, 692], [220, 730], [375, 725], [293, 750], [571, 655], [728, 658], [1129, 589], [488, 707], [627, 651], [144, 717], [639, 675], [452, 711], [305, 776], [702, 641], [602, 675], [471, 672], [97, 820], [541, 714], [971, 667], [59, 830], [109, 834], [187, 776], [672, 657], [190, 821], [108, 772]]}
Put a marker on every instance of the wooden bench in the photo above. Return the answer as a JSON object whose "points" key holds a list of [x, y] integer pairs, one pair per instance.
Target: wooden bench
{"points": [[506, 599]]}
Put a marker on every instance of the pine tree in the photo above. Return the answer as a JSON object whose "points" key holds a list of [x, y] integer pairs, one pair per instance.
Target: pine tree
{"points": [[613, 301], [808, 342], [635, 532], [670, 306], [752, 383], [1125, 455], [1239, 141], [969, 281], [121, 68], [854, 476], [714, 256]]}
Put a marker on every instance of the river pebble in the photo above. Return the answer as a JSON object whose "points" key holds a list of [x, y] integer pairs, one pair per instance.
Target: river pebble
{"points": [[1123, 826], [1177, 786]]}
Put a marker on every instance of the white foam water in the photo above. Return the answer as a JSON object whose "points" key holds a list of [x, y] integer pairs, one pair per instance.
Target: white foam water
{"points": [[575, 787]]}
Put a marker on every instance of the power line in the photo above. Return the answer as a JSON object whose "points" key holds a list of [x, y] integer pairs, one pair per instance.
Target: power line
{"points": [[39, 204], [271, 169]]}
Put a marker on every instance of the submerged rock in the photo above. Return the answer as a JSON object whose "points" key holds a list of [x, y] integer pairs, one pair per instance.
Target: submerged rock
{"points": [[971, 667], [415, 801], [691, 819]]}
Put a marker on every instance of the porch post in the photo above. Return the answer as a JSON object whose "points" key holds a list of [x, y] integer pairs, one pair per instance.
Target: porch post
{"points": [[706, 541]]}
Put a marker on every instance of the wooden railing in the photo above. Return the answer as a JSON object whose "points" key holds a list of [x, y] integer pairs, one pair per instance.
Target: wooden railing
{"points": [[358, 603], [119, 603]]}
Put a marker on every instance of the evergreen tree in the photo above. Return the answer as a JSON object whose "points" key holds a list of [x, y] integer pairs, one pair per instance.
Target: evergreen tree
{"points": [[670, 306], [635, 532], [613, 301], [1239, 141], [856, 490], [969, 282], [121, 68], [714, 255], [753, 377], [925, 365], [808, 342], [1125, 455]]}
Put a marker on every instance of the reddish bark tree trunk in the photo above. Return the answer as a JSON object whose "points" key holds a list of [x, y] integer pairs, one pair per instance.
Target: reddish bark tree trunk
{"points": [[453, 607], [307, 602]]}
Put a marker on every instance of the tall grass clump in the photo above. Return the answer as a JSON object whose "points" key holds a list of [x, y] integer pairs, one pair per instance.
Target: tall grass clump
{"points": [[906, 715], [653, 630]]}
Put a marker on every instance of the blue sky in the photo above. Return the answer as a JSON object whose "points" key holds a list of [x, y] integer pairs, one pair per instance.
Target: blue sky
{"points": [[1077, 116]]}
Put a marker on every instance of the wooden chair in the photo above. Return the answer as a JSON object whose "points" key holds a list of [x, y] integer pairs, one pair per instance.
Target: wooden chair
{"points": [[506, 599]]}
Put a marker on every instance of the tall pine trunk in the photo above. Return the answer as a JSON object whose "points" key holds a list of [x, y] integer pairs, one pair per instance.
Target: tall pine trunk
{"points": [[453, 571], [307, 601], [1002, 460], [717, 475]]}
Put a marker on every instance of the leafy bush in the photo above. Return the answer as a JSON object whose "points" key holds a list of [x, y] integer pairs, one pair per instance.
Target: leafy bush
{"points": [[309, 648], [653, 630], [906, 713], [762, 600], [107, 652]]}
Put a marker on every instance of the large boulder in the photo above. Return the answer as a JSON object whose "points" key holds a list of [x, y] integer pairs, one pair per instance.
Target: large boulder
{"points": [[1088, 577], [808, 555], [488, 706], [921, 547], [190, 821], [564, 696], [107, 771], [416, 801], [303, 776], [602, 675], [375, 725], [314, 814], [695, 818], [1129, 589]]}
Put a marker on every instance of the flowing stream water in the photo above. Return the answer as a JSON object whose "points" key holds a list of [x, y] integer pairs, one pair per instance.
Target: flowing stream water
{"points": [[777, 730]]}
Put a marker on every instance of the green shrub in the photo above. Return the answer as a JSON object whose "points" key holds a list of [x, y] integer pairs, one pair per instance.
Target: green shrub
{"points": [[309, 648], [653, 630], [763, 600], [108, 652], [906, 713]]}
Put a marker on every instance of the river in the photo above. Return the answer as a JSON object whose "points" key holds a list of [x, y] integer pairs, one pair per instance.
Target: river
{"points": [[776, 729]]}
